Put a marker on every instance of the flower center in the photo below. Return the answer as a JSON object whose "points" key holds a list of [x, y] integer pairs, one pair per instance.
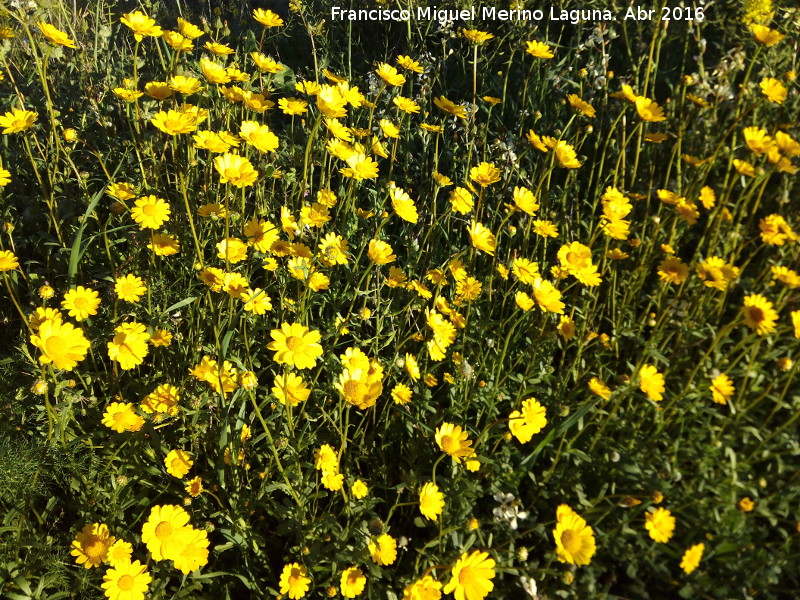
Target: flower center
{"points": [[756, 314], [164, 530], [95, 548], [449, 444], [149, 209], [125, 583], [466, 576], [56, 346], [571, 541], [294, 343], [354, 390]]}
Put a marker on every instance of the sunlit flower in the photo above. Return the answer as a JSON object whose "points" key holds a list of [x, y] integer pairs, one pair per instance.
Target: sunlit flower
{"points": [[163, 399], [390, 75], [407, 105], [352, 582], [177, 41], [461, 200], [759, 314], [91, 544], [213, 72], [267, 18], [452, 440], [426, 588], [450, 107], [130, 288], [120, 552], [484, 174], [126, 580], [295, 345], [141, 25], [575, 543], [525, 201], [660, 524], [159, 90], [126, 94], [472, 576], [360, 167], [477, 37], [359, 489], [579, 104], [190, 30], [293, 106], [194, 487], [566, 155], [259, 136], [256, 301], [409, 64], [193, 551], [431, 501], [651, 382], [649, 111], [538, 49], [482, 238], [218, 49], [673, 270], [380, 252], [178, 463], [691, 558], [775, 231], [403, 205], [150, 212], [16, 120], [236, 170], [8, 261], [81, 303], [129, 345], [294, 581], [597, 386], [266, 63], [758, 140], [383, 550], [528, 422], [765, 35], [773, 89], [164, 245], [55, 36], [165, 532], [722, 388], [185, 85]]}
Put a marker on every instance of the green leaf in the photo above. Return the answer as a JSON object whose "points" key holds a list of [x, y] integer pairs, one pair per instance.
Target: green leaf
{"points": [[177, 305], [76, 252]]}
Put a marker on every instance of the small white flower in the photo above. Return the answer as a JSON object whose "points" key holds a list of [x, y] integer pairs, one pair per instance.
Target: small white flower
{"points": [[529, 585], [509, 510]]}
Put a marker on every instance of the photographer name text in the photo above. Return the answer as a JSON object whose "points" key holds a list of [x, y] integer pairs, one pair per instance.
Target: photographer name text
{"points": [[492, 13]]}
